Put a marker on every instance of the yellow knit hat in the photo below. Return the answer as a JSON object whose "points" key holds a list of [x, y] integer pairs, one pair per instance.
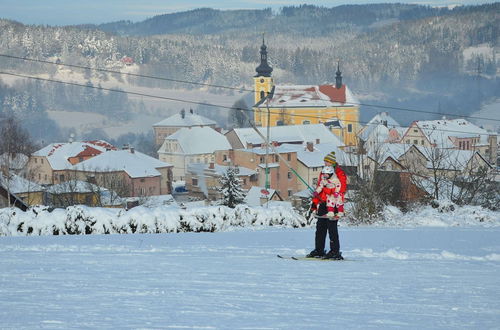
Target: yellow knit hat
{"points": [[330, 158]]}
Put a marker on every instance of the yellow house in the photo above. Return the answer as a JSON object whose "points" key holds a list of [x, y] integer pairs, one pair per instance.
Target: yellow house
{"points": [[333, 105]]}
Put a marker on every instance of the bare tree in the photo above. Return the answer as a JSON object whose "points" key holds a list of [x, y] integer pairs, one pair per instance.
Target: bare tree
{"points": [[14, 141]]}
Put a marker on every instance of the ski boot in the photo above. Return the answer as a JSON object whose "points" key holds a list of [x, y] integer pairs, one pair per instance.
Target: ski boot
{"points": [[315, 254], [333, 255]]}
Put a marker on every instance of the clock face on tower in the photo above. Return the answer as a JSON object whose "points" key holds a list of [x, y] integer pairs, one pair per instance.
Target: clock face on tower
{"points": [[261, 80]]}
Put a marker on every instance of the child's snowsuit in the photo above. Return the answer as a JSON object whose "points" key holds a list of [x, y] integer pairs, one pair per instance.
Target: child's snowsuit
{"points": [[331, 191]]}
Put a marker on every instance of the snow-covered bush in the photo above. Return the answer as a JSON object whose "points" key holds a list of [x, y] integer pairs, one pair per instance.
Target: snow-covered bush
{"points": [[82, 220]]}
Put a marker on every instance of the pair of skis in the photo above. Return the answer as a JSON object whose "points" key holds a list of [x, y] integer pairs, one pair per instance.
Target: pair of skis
{"points": [[308, 258]]}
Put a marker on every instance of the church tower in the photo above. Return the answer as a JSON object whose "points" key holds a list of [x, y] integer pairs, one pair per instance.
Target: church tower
{"points": [[263, 82]]}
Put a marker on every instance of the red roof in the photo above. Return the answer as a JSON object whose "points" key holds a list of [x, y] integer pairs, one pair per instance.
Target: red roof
{"points": [[89, 151], [335, 95]]}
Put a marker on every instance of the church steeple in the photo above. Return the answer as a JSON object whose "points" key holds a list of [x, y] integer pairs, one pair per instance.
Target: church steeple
{"points": [[263, 70], [338, 77]]}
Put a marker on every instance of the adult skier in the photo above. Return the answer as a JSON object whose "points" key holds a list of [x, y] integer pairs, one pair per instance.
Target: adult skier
{"points": [[328, 207]]}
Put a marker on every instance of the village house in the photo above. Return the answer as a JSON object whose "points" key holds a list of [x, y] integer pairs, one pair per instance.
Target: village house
{"points": [[453, 134], [202, 180], [191, 145], [382, 128], [280, 177], [127, 172], [49, 164], [180, 120], [29, 192], [73, 192], [260, 196]]}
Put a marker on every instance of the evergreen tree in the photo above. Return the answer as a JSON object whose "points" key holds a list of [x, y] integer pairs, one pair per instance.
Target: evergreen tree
{"points": [[230, 188]]}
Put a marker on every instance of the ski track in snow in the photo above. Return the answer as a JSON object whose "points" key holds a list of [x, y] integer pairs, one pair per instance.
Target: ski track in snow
{"points": [[399, 278]]}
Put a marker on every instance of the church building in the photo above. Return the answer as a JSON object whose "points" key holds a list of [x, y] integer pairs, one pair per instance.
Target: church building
{"points": [[332, 105]]}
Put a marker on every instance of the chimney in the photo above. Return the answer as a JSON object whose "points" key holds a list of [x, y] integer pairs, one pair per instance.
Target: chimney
{"points": [[249, 145], [183, 113], [132, 150], [310, 146], [211, 165], [317, 141]]}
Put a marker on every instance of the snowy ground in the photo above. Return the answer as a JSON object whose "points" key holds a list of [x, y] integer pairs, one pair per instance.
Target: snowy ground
{"points": [[420, 278]]}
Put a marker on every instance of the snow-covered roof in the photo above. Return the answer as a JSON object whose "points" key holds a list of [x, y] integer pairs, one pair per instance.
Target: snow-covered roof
{"points": [[448, 159], [386, 150], [288, 134], [439, 131], [255, 194], [18, 184], [300, 96], [59, 153], [316, 157], [136, 164], [74, 186], [188, 120], [198, 140], [18, 162]]}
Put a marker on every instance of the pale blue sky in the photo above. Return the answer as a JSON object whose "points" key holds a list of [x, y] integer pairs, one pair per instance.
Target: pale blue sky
{"points": [[64, 12]]}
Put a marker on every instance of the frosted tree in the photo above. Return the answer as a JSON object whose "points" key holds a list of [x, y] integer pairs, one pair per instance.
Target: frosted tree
{"points": [[230, 188]]}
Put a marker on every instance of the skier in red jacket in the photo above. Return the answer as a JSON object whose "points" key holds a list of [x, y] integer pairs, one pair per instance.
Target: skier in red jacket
{"points": [[328, 207]]}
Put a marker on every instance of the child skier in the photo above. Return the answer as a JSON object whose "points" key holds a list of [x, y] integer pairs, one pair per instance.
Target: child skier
{"points": [[328, 207]]}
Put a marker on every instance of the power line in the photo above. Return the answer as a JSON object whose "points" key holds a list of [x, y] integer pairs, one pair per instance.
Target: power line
{"points": [[183, 100], [232, 88]]}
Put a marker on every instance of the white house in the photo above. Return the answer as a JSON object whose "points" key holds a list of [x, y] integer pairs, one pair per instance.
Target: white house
{"points": [[191, 145]]}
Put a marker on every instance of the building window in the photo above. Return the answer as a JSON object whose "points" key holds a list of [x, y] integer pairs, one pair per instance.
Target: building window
{"points": [[279, 123], [289, 157], [276, 158], [289, 175], [224, 158], [415, 131], [45, 177], [422, 142], [415, 141], [315, 181], [290, 192], [261, 159], [195, 182], [39, 176], [262, 95], [349, 128], [36, 161], [244, 181], [61, 178], [407, 141], [142, 180], [306, 122]]}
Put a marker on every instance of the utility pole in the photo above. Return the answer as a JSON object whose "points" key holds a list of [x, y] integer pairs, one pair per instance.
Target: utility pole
{"points": [[268, 97]]}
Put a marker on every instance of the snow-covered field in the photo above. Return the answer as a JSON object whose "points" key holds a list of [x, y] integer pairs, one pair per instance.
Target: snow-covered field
{"points": [[426, 275]]}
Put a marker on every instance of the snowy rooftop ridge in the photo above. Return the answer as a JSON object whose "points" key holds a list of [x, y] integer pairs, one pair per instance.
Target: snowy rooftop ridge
{"points": [[59, 153], [188, 120], [311, 96], [198, 140], [135, 164], [287, 134], [18, 184]]}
